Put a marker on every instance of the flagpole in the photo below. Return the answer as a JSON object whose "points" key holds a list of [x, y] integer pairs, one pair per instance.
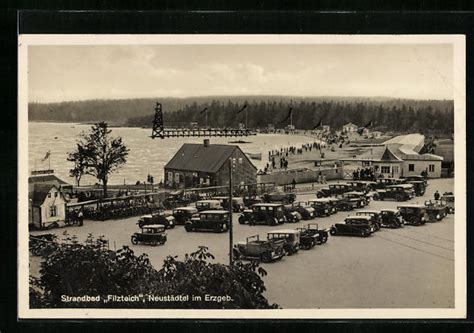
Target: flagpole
{"points": [[246, 118]]}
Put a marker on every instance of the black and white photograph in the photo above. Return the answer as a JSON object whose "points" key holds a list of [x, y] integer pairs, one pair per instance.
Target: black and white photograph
{"points": [[242, 176]]}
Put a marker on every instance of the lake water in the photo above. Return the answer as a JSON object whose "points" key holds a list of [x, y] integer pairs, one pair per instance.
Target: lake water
{"points": [[146, 156]]}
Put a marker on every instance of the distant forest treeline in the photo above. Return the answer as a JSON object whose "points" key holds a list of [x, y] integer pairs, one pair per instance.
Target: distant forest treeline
{"points": [[421, 116], [427, 116]]}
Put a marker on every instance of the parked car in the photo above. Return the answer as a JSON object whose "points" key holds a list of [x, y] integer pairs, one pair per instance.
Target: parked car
{"points": [[361, 186], [284, 198], [412, 178], [306, 211], [263, 213], [437, 210], [175, 199], [414, 214], [152, 234], [208, 205], [322, 207], [400, 192], [209, 220], [183, 214], [290, 237], [163, 218], [263, 250], [418, 186], [250, 200], [355, 199], [311, 235], [353, 226], [333, 189], [448, 197], [237, 203], [374, 215], [382, 183], [291, 214], [391, 218], [335, 204]]}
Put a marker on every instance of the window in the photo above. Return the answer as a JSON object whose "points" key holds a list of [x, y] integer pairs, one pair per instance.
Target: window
{"points": [[49, 195], [240, 160], [395, 169], [52, 211], [55, 194], [411, 167], [431, 168], [385, 169]]}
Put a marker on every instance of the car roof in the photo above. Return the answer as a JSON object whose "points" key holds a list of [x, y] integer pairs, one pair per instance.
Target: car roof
{"points": [[214, 211], [401, 185], [369, 211], [358, 217], [319, 200], [185, 208], [338, 184], [411, 206], [390, 210], [354, 192], [147, 216], [284, 231], [154, 226], [210, 201], [267, 204]]}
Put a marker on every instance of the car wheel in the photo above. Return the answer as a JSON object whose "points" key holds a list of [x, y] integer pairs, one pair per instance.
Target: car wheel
{"points": [[241, 220], [266, 257], [324, 240], [398, 197], [236, 254], [217, 228], [333, 231], [365, 233], [153, 242], [134, 240], [188, 228], [319, 195]]}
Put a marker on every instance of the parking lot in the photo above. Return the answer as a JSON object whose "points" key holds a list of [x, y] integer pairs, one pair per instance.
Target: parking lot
{"points": [[411, 267]]}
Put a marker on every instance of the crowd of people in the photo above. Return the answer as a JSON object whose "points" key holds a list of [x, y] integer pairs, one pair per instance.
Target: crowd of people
{"points": [[364, 174]]}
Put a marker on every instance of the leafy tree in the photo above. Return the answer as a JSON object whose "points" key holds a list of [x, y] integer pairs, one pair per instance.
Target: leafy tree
{"points": [[78, 157], [98, 154], [74, 269]]}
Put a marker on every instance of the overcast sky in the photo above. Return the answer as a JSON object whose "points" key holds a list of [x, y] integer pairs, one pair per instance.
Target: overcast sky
{"points": [[63, 73]]}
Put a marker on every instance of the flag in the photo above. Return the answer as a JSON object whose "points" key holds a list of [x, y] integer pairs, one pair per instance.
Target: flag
{"points": [[243, 108], [288, 116], [46, 156], [203, 110], [318, 125], [368, 125]]}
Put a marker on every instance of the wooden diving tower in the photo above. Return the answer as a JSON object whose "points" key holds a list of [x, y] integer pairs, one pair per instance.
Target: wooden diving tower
{"points": [[159, 131]]}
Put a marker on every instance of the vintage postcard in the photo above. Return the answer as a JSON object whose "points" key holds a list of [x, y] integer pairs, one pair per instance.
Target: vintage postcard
{"points": [[242, 176]]}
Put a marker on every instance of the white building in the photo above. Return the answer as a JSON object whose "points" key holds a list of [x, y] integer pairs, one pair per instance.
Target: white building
{"points": [[350, 128], [47, 205]]}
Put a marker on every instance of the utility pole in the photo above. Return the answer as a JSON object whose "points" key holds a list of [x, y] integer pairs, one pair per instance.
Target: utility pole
{"points": [[231, 240], [246, 126]]}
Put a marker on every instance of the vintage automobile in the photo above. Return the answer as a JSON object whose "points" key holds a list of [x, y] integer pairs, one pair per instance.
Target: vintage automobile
{"points": [[209, 220], [436, 209], [391, 218], [448, 197], [290, 237], [415, 178], [382, 183], [250, 200], [284, 198], [311, 235], [175, 199], [333, 189], [322, 207], [152, 234], [208, 205], [361, 186], [374, 215], [307, 212], [361, 226], [291, 214], [400, 192], [164, 218], [418, 186], [263, 213], [237, 203], [355, 199], [413, 214], [263, 250], [183, 214]]}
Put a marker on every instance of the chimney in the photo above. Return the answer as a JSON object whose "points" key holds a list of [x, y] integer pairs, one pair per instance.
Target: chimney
{"points": [[206, 142]]}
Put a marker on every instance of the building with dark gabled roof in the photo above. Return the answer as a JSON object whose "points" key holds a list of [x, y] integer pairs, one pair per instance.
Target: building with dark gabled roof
{"points": [[196, 165], [47, 205]]}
